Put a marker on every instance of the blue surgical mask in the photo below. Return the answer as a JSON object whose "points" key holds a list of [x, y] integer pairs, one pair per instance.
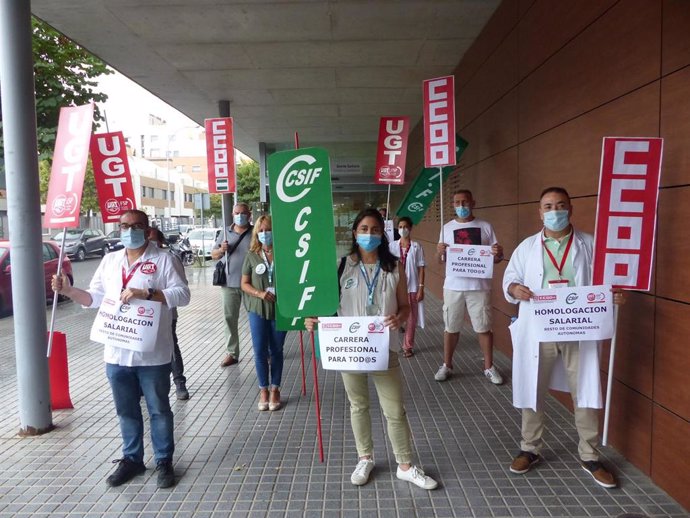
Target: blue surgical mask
{"points": [[556, 220], [241, 220], [133, 238], [369, 242], [463, 212], [266, 238]]}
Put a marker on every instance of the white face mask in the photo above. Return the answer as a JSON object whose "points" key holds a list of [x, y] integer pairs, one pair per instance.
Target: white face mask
{"points": [[404, 232]]}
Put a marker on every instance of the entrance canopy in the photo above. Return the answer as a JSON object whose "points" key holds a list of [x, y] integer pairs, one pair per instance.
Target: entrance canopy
{"points": [[326, 69]]}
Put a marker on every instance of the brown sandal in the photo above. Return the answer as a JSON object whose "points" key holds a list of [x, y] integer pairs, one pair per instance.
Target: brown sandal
{"points": [[408, 354]]}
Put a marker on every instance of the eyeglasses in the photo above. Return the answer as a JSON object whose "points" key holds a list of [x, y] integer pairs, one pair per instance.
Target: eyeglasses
{"points": [[135, 226]]}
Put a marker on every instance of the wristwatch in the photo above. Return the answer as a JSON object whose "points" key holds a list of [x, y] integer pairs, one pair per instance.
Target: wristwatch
{"points": [[152, 292]]}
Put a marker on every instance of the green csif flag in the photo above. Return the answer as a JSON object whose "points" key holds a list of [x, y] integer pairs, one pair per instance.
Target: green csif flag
{"points": [[303, 233], [425, 187]]}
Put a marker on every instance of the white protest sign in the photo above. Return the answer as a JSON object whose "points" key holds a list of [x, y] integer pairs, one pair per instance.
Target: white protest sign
{"points": [[131, 326], [353, 343], [469, 261], [388, 229], [572, 314]]}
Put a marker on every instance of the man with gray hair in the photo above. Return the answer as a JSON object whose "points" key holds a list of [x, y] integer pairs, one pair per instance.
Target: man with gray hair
{"points": [[231, 247]]}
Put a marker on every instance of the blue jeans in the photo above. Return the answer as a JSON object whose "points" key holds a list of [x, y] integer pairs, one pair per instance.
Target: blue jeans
{"points": [[128, 384], [267, 342]]}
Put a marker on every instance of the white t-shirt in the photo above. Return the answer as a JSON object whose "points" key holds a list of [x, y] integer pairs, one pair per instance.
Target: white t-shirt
{"points": [[157, 269], [475, 232], [414, 259]]}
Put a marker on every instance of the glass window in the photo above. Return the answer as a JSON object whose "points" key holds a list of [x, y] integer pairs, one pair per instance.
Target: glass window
{"points": [[48, 252]]}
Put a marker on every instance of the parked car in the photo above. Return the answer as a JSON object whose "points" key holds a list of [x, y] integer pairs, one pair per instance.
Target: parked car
{"points": [[81, 242], [51, 254], [112, 240], [202, 240]]}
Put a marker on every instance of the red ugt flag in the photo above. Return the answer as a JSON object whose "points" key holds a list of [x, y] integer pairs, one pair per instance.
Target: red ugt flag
{"points": [[111, 172]]}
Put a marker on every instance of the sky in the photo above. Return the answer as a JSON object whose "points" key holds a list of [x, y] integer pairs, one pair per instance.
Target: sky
{"points": [[129, 105]]}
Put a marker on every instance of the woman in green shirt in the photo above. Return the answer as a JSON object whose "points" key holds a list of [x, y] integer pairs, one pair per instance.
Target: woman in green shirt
{"points": [[258, 282]]}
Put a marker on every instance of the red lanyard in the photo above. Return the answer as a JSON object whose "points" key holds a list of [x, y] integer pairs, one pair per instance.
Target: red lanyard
{"points": [[565, 254], [126, 277], [404, 252]]}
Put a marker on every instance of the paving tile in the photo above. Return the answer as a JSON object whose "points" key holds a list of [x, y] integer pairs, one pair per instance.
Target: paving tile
{"points": [[232, 460]]}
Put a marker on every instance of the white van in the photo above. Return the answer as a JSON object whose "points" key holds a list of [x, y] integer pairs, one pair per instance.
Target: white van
{"points": [[202, 240]]}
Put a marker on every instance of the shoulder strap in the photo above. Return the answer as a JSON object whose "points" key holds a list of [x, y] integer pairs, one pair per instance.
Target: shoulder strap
{"points": [[341, 269], [237, 243]]}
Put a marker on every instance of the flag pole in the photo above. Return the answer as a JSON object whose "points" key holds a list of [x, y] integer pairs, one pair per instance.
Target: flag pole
{"points": [[316, 392], [304, 376], [301, 342], [388, 203], [61, 256], [440, 196], [609, 382]]}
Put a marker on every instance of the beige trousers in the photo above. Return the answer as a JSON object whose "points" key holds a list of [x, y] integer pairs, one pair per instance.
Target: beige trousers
{"points": [[586, 419], [389, 390]]}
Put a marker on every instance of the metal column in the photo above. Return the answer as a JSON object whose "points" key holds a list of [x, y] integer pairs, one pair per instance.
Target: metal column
{"points": [[24, 215]]}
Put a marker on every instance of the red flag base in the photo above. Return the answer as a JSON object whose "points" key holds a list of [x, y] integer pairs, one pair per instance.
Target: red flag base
{"points": [[59, 373]]}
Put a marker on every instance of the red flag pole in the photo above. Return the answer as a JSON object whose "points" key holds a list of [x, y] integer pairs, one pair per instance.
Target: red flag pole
{"points": [[301, 340], [316, 391], [304, 376]]}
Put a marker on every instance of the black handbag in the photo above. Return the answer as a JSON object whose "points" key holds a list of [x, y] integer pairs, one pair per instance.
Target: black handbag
{"points": [[220, 277]]}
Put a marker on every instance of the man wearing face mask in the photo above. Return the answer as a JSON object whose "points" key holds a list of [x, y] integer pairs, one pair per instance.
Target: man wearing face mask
{"points": [[467, 293], [557, 256], [232, 246], [139, 271]]}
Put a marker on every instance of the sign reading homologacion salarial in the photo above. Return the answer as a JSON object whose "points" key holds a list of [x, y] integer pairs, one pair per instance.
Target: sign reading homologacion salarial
{"points": [[303, 235], [572, 314], [469, 261], [353, 343]]}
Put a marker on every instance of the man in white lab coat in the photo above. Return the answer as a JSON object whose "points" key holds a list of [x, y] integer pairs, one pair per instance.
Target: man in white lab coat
{"points": [[557, 256]]}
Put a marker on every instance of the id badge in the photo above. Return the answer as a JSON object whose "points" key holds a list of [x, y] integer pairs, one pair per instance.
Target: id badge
{"points": [[558, 283]]}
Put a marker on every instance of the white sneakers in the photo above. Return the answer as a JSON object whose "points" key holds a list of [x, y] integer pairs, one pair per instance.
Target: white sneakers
{"points": [[417, 477], [360, 475], [443, 373], [493, 375]]}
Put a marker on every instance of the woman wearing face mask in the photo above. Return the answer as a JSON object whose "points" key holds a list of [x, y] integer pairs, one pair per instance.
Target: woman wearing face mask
{"points": [[373, 283], [258, 282], [411, 257]]}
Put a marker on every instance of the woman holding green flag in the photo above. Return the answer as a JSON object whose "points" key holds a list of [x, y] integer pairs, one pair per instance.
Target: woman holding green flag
{"points": [[258, 282], [373, 283]]}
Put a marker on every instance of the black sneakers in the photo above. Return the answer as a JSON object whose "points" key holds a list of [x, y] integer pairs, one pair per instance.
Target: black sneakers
{"points": [[126, 471], [181, 391], [166, 474]]}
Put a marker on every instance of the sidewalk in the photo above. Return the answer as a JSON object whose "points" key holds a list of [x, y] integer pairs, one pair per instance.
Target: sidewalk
{"points": [[232, 460]]}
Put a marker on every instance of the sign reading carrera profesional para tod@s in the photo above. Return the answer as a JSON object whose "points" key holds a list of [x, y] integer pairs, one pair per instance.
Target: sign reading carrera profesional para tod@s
{"points": [[469, 261], [353, 343], [572, 314], [303, 232]]}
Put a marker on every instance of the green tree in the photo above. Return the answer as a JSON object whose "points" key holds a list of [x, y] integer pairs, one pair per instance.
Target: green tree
{"points": [[64, 74], [248, 181]]}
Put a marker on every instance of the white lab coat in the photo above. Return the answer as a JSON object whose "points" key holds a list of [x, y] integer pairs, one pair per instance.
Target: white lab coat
{"points": [[526, 267]]}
